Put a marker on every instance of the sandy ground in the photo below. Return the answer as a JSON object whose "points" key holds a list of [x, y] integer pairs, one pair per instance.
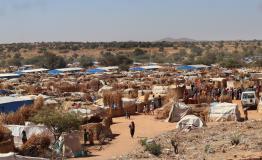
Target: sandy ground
{"points": [[146, 126]]}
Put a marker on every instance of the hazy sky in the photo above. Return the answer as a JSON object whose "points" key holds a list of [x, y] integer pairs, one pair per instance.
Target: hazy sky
{"points": [[123, 20]]}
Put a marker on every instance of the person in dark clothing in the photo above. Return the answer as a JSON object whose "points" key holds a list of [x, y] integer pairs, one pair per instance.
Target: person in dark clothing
{"points": [[127, 115], [24, 137], [159, 101], [86, 136], [132, 129]]}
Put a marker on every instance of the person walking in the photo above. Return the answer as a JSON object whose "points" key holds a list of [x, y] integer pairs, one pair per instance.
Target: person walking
{"points": [[86, 136], [132, 129], [24, 137]]}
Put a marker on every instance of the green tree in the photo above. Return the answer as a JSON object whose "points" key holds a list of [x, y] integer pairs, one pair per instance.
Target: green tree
{"points": [[48, 60], [86, 61], [57, 122], [16, 60], [109, 59]]}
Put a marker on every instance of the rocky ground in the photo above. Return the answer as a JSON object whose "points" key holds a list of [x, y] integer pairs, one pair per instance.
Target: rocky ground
{"points": [[212, 142]]}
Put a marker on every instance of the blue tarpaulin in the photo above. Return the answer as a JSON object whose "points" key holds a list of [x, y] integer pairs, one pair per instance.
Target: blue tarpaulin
{"points": [[54, 72], [95, 70], [185, 68], [4, 92], [12, 104], [137, 69]]}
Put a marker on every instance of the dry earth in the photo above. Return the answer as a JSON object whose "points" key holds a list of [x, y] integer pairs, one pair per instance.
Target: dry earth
{"points": [[216, 135]]}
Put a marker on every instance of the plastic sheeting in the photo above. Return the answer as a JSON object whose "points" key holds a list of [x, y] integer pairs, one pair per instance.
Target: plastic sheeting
{"points": [[190, 121], [30, 130], [178, 111], [13, 156], [220, 112]]}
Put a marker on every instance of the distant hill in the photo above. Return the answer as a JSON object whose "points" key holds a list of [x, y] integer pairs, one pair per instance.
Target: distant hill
{"points": [[169, 39]]}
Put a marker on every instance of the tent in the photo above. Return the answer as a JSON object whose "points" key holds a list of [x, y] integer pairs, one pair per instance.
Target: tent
{"points": [[178, 111], [95, 70], [29, 129], [223, 112], [190, 122]]}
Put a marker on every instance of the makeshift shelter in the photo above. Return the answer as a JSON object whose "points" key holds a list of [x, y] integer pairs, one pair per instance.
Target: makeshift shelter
{"points": [[160, 89], [14, 156], [54, 72], [185, 67], [11, 104], [190, 122], [64, 70], [220, 112], [9, 75], [38, 70], [29, 129], [95, 70], [137, 69], [178, 111]]}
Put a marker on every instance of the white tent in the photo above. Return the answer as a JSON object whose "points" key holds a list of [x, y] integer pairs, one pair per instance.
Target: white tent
{"points": [[178, 111], [220, 112], [190, 121], [29, 129]]}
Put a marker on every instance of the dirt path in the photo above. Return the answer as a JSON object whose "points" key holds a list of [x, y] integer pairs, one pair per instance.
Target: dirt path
{"points": [[146, 126]]}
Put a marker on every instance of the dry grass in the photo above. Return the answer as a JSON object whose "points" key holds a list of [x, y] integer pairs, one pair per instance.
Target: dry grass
{"points": [[3, 132], [113, 98], [36, 146]]}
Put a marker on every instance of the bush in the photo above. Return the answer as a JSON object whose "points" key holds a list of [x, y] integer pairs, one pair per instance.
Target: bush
{"points": [[86, 61], [151, 147], [235, 139], [154, 149], [36, 146], [209, 149], [143, 141]]}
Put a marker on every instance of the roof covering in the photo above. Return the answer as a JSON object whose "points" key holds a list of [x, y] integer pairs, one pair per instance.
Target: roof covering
{"points": [[137, 69], [185, 67], [54, 72], [151, 67], [95, 70], [9, 75], [69, 69], [199, 66], [9, 99], [108, 68], [192, 67], [33, 70]]}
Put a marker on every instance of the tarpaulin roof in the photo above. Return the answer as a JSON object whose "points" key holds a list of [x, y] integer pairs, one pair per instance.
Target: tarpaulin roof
{"points": [[136, 69], [9, 75], [185, 67], [95, 70], [54, 72]]}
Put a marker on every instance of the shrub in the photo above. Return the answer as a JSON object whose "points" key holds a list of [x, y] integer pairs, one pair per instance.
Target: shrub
{"points": [[209, 149], [36, 146], [235, 139], [154, 149], [143, 141]]}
